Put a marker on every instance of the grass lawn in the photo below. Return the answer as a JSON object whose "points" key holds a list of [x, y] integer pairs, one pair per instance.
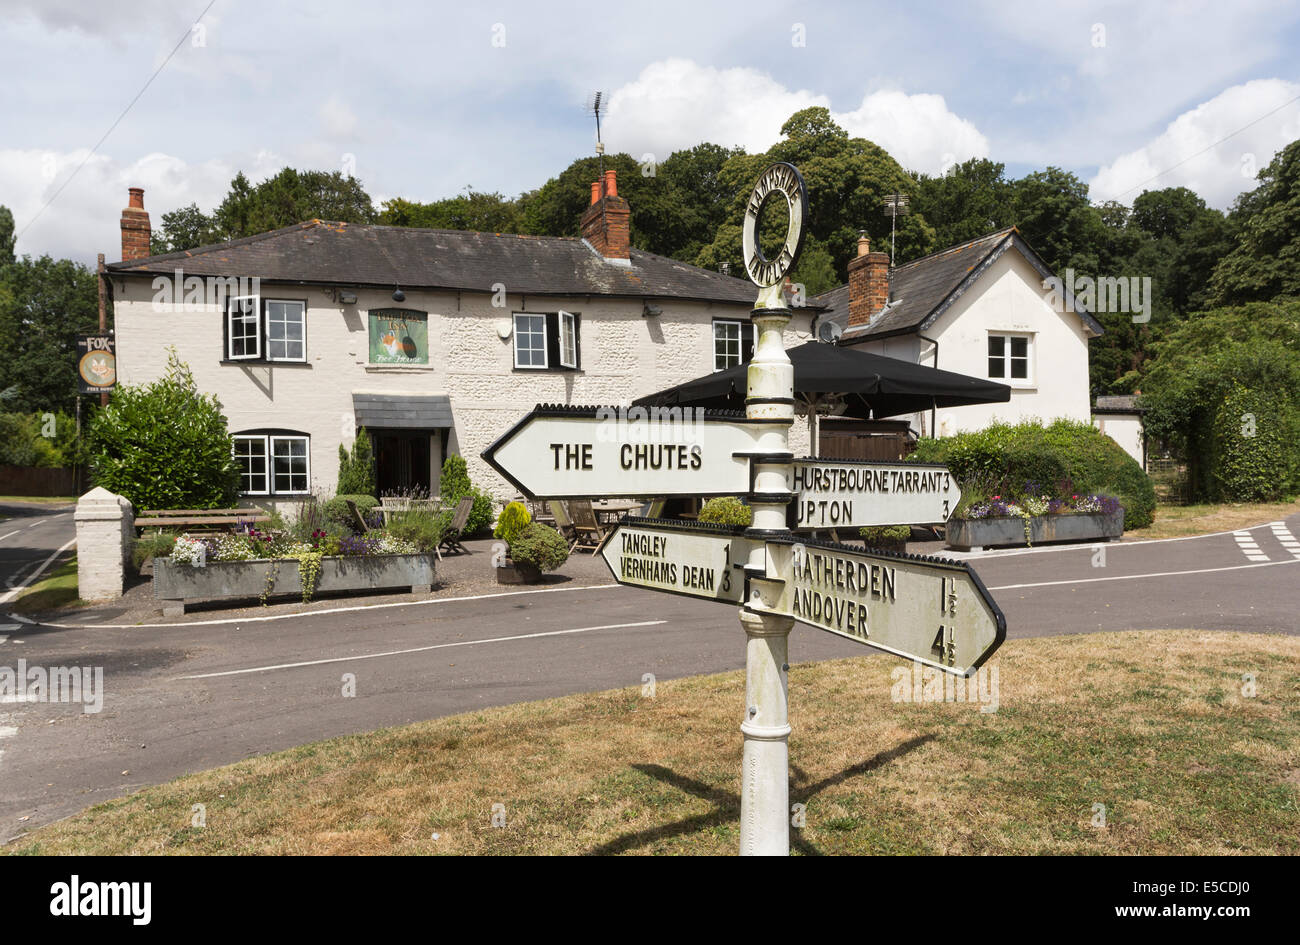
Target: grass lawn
{"points": [[57, 589], [1177, 521], [1153, 725]]}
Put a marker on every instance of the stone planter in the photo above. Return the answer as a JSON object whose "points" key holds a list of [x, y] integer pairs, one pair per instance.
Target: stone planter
{"points": [[175, 583], [518, 572], [965, 534]]}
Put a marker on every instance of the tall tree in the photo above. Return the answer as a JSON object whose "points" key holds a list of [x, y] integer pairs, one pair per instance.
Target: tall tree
{"points": [[972, 199], [290, 197], [44, 304], [6, 236], [184, 228], [487, 213], [847, 180], [1266, 260]]}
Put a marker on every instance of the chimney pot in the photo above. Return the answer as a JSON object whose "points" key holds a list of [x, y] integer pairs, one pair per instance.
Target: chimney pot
{"points": [[611, 183], [868, 284], [606, 224], [135, 226], [595, 191]]}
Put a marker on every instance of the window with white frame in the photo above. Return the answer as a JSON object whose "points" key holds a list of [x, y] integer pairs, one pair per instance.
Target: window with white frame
{"points": [[733, 343], [530, 341], [273, 463], [1009, 358], [250, 457], [243, 328], [548, 341], [568, 340], [286, 330]]}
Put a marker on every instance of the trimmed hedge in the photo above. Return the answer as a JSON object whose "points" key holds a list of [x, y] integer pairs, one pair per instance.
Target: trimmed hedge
{"points": [[541, 546], [1029, 458], [726, 510]]}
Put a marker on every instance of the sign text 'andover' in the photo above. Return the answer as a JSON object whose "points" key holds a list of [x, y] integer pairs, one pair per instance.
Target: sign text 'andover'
{"points": [[928, 609]]}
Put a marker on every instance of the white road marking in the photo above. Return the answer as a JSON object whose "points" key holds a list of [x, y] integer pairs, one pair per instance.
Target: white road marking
{"points": [[10, 700], [8, 731], [1133, 577], [14, 532], [423, 649], [1285, 538], [37, 573], [317, 613], [1249, 547]]}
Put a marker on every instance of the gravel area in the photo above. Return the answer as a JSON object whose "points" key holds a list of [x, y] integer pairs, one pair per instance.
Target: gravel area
{"points": [[462, 575]]}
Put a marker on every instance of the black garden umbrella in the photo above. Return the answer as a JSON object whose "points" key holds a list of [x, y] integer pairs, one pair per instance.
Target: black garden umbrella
{"points": [[871, 386]]}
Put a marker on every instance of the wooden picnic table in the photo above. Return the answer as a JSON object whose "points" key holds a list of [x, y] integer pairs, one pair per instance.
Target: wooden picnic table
{"points": [[614, 509], [199, 518]]}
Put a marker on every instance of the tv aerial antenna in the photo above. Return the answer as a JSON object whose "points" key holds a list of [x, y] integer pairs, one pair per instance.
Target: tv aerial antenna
{"points": [[895, 206], [599, 103]]}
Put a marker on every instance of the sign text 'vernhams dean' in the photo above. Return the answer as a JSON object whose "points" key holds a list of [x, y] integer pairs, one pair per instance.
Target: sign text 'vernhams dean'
{"points": [[669, 555], [927, 609], [581, 452], [837, 493]]}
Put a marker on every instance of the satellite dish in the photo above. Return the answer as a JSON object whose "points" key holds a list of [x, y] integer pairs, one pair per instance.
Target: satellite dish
{"points": [[829, 332]]}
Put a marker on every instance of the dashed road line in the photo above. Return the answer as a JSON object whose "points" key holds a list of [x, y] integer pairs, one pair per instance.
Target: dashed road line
{"points": [[1285, 538], [1249, 547]]}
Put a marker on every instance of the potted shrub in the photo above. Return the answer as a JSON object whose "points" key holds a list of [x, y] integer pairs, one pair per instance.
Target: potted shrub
{"points": [[514, 518], [1002, 521], [726, 510], [535, 548], [886, 537]]}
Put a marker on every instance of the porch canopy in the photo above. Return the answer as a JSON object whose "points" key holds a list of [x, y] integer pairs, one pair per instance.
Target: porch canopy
{"points": [[397, 411], [870, 386]]}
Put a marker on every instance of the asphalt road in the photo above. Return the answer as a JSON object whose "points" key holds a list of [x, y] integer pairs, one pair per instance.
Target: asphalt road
{"points": [[29, 534], [183, 698]]}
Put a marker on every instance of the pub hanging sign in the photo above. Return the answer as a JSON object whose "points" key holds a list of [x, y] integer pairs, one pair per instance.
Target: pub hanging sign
{"points": [[96, 364], [399, 336]]}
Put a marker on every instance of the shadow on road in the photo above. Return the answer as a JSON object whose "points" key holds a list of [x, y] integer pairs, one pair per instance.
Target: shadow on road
{"points": [[727, 804]]}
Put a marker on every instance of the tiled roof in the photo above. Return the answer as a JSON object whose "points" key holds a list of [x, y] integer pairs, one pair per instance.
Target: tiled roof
{"points": [[921, 290], [317, 252]]}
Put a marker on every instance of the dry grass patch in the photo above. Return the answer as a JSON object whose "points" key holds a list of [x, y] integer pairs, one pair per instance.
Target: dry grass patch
{"points": [[1179, 521], [1154, 725]]}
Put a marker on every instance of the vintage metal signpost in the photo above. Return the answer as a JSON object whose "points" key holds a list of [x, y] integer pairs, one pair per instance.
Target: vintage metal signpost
{"points": [[927, 609]]}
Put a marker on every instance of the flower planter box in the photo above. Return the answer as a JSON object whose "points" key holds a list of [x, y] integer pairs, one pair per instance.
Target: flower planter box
{"points": [[175, 583], [514, 572], [1006, 531]]}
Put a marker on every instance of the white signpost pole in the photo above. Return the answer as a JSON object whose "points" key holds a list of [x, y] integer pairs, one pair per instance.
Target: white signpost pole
{"points": [[765, 773]]}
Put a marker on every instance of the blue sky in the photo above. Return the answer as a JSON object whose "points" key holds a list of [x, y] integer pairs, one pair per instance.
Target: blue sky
{"points": [[424, 99]]}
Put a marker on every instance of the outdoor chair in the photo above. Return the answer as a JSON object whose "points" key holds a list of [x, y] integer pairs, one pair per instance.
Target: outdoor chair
{"points": [[451, 542], [588, 532]]}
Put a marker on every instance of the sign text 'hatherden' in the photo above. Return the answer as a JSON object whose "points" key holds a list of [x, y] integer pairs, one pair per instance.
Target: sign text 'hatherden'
{"points": [[924, 609], [841, 494]]}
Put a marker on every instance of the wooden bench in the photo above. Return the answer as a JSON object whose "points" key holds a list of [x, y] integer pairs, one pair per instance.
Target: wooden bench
{"points": [[210, 520]]}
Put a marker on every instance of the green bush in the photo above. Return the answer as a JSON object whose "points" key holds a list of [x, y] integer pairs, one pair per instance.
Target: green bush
{"points": [[164, 445], [514, 518], [1253, 436], [421, 526], [154, 543], [455, 478], [541, 546], [357, 468], [881, 533], [1063, 458], [38, 439], [336, 509], [726, 510]]}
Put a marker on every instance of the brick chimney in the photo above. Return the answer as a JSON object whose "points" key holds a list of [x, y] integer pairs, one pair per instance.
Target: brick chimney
{"points": [[606, 224], [135, 227], [868, 283]]}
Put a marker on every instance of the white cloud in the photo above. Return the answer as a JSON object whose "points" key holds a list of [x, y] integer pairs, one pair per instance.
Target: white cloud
{"points": [[1227, 167], [917, 130], [337, 119], [84, 218], [677, 103]]}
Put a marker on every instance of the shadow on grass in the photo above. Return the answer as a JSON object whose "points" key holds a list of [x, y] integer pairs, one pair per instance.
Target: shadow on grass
{"points": [[727, 804]]}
